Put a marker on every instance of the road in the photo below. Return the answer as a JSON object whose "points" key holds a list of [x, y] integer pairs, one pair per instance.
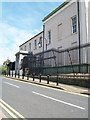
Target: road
{"points": [[20, 99]]}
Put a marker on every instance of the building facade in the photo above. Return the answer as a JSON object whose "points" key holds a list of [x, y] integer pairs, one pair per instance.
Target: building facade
{"points": [[66, 29]]}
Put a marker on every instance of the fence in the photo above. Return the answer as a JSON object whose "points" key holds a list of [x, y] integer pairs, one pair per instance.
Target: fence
{"points": [[77, 79], [65, 61]]}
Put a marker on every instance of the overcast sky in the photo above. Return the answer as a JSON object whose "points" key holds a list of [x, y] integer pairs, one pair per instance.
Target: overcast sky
{"points": [[19, 21]]}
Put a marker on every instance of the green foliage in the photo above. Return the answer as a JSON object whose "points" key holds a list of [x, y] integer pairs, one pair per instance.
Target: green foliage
{"points": [[5, 63], [3, 69]]}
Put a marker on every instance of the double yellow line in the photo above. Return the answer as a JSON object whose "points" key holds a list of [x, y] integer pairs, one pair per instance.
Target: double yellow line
{"points": [[12, 112]]}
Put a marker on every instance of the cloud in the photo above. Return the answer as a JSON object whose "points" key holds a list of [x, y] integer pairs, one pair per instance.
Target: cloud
{"points": [[10, 39]]}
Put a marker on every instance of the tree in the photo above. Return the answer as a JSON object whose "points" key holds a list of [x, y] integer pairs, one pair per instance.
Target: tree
{"points": [[5, 63], [3, 70]]}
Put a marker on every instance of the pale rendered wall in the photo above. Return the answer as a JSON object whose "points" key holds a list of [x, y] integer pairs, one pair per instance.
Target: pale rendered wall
{"points": [[32, 45], [64, 18]]}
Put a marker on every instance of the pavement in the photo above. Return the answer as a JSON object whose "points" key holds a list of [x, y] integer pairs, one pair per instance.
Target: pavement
{"points": [[65, 87]]}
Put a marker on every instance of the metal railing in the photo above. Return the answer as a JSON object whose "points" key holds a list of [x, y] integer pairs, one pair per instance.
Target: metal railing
{"points": [[77, 79]]}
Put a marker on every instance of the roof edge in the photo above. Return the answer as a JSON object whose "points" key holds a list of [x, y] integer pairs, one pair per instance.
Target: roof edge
{"points": [[55, 10], [31, 38]]}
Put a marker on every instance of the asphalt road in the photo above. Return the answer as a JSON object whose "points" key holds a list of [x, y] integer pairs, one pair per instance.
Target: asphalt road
{"points": [[35, 101]]}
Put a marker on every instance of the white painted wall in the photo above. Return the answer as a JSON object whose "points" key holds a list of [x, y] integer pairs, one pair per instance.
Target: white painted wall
{"points": [[63, 17], [67, 40]]}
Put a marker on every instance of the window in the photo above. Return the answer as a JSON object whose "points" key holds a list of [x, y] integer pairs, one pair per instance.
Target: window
{"points": [[40, 42], [30, 47], [35, 43], [21, 48], [49, 36], [74, 24], [25, 47]]}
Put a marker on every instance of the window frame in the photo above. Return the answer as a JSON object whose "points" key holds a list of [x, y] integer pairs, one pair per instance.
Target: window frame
{"points": [[30, 46], [40, 42], [35, 44], [74, 24], [49, 37], [25, 48]]}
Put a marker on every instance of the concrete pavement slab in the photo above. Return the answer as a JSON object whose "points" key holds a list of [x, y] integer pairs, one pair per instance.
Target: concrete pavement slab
{"points": [[69, 88]]}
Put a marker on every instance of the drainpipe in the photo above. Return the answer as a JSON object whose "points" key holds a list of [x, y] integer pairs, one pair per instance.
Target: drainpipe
{"points": [[78, 8], [43, 42], [43, 35]]}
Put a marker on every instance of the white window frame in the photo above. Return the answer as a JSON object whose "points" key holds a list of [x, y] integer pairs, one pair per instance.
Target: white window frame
{"points": [[74, 24], [40, 42], [21, 48], [35, 44], [49, 37], [30, 47], [25, 47]]}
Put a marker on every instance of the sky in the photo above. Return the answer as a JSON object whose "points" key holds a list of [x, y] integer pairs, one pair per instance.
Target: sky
{"points": [[19, 21]]}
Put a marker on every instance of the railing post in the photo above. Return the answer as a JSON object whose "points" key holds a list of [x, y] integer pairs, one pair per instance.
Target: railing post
{"points": [[47, 79], [40, 78]]}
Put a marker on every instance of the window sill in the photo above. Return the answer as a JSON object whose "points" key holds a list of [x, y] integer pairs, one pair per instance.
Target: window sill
{"points": [[74, 33]]}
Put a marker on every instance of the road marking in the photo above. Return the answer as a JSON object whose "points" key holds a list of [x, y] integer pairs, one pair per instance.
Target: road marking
{"points": [[70, 104], [12, 84], [8, 106], [48, 87], [9, 112]]}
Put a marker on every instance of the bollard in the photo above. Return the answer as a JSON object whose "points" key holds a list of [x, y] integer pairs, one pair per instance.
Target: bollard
{"points": [[9, 73], [40, 78], [12, 73], [15, 74], [57, 80], [33, 77], [47, 79], [5, 73], [27, 76], [23, 76], [18, 75]]}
